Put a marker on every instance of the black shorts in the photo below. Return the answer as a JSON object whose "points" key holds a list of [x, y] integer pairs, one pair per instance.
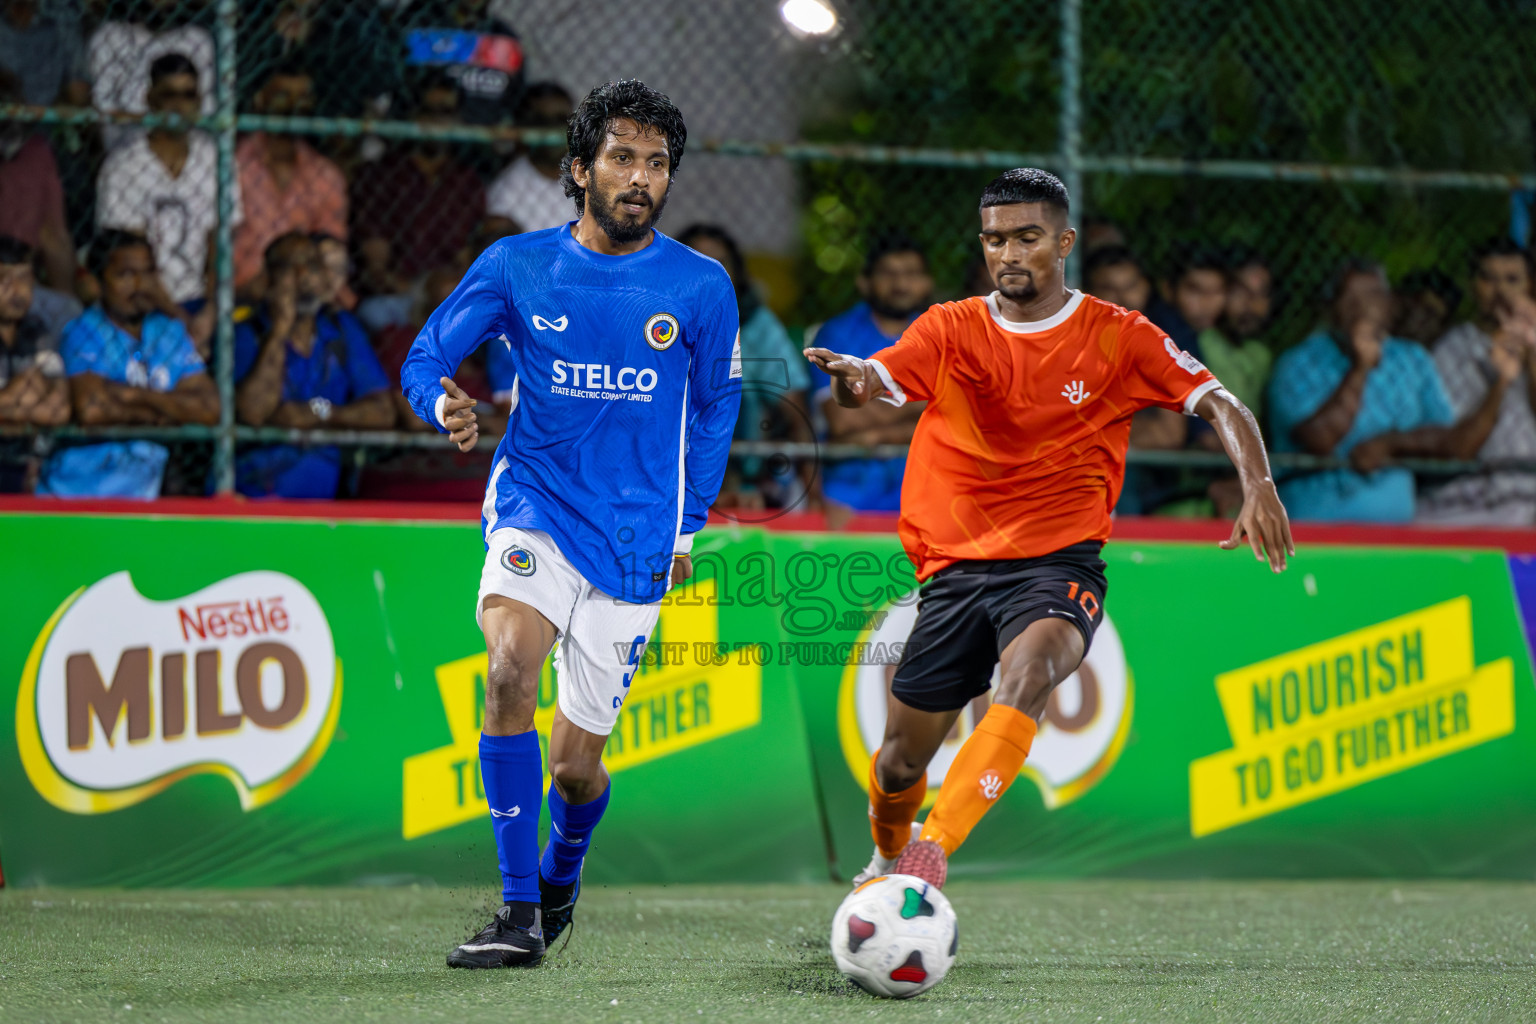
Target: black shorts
{"points": [[969, 612]]}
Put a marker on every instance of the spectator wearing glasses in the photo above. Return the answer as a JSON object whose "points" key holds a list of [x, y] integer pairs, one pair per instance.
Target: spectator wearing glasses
{"points": [[298, 365], [285, 185], [121, 52], [165, 186], [32, 385], [1473, 359]]}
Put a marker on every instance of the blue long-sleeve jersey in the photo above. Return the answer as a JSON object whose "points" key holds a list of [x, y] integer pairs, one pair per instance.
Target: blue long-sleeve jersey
{"points": [[628, 383]]}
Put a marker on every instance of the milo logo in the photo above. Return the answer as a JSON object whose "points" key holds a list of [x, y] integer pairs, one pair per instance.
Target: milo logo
{"points": [[123, 696], [1084, 727]]}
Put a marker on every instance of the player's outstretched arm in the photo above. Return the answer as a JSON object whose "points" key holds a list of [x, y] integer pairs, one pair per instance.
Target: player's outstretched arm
{"points": [[1262, 519], [854, 381]]}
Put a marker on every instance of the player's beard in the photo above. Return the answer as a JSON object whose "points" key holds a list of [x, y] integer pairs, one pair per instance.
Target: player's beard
{"points": [[622, 230], [1025, 292]]}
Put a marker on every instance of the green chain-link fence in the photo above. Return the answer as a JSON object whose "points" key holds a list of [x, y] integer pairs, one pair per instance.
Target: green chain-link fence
{"points": [[416, 132]]}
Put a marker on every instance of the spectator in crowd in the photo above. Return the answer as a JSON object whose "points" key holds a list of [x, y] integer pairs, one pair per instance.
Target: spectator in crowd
{"points": [[1100, 233], [31, 194], [32, 385], [121, 52], [310, 33], [298, 366], [1473, 360], [529, 190], [1232, 348], [1114, 274], [896, 287], [415, 208], [775, 379], [44, 51], [1196, 292], [439, 473], [285, 186], [978, 279], [1427, 302], [1352, 391], [127, 364], [480, 53], [393, 344], [165, 185], [335, 268]]}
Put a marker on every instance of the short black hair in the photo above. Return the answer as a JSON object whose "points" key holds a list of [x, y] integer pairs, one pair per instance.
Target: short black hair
{"points": [[267, 254], [1348, 268], [535, 92], [1501, 245], [109, 241], [890, 243], [631, 99], [716, 233], [1432, 280], [169, 64], [1026, 185], [1240, 256], [14, 251], [1189, 258], [1111, 256]]}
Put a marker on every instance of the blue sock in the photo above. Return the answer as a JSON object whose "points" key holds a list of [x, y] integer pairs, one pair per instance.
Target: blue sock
{"points": [[513, 773], [570, 833]]}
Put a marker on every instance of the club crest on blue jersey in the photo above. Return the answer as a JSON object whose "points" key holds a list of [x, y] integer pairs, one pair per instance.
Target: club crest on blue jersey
{"points": [[661, 331], [518, 560]]}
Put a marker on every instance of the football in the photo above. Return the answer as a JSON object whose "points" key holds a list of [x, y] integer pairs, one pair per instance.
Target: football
{"points": [[895, 936]]}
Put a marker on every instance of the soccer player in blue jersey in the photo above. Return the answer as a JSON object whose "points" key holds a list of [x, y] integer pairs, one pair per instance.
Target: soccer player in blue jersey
{"points": [[628, 380]]}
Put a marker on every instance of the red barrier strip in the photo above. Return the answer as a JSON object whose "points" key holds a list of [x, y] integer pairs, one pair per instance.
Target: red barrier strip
{"points": [[1199, 531]]}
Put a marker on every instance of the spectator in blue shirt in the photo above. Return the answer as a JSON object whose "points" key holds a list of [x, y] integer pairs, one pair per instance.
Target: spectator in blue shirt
{"points": [[1350, 390], [896, 287], [127, 364], [302, 366]]}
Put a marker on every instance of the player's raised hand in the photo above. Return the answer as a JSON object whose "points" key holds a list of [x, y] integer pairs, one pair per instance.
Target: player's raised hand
{"points": [[1268, 529], [459, 416], [848, 369]]}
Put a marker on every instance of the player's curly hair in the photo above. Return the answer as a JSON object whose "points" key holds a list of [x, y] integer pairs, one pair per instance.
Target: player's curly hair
{"points": [[631, 99], [1025, 185]]}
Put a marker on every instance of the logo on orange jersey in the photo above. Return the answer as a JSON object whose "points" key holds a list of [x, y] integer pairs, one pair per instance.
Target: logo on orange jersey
{"points": [[1074, 392], [991, 785], [1188, 363]]}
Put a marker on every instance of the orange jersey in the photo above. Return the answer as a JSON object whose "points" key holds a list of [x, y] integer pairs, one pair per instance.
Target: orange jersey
{"points": [[1021, 449]]}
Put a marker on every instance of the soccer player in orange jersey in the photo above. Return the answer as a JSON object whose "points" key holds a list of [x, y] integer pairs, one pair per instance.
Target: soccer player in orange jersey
{"points": [[1014, 468]]}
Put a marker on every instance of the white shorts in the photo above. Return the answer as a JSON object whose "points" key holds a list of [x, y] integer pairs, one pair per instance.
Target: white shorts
{"points": [[601, 638]]}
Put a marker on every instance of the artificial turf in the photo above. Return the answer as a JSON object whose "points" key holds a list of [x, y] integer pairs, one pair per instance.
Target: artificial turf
{"points": [[1110, 950]]}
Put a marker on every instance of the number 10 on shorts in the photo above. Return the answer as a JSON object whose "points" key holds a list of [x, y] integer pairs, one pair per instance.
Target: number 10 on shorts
{"points": [[1084, 597]]}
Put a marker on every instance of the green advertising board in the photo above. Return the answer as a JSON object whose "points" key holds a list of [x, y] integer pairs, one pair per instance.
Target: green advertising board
{"points": [[198, 701], [1368, 712], [265, 702]]}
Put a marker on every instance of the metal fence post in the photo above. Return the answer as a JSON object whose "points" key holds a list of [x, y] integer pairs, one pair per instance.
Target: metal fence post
{"points": [[224, 262], [1071, 129]]}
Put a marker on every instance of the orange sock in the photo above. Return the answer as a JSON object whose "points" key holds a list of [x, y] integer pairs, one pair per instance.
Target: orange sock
{"points": [[891, 814], [986, 766]]}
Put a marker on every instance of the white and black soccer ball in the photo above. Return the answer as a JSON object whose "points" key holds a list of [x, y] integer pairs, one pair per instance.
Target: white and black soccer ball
{"points": [[895, 936]]}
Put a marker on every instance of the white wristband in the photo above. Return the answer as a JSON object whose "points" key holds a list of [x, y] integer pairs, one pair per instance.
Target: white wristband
{"points": [[437, 410], [684, 544]]}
